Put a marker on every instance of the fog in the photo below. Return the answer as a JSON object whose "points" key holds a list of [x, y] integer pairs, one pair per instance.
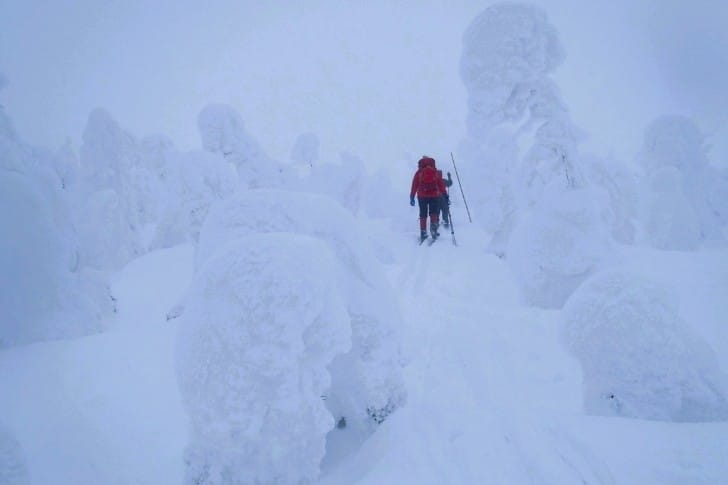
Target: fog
{"points": [[378, 79]]}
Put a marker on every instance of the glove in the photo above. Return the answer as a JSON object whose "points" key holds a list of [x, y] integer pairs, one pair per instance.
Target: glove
{"points": [[412, 201], [447, 199]]}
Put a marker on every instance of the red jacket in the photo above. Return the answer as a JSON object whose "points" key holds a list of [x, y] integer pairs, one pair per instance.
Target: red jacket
{"points": [[436, 188]]}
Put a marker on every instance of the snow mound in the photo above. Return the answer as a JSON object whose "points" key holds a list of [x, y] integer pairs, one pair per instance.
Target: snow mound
{"points": [[638, 357], [559, 244], [262, 322], [367, 382], [13, 470]]}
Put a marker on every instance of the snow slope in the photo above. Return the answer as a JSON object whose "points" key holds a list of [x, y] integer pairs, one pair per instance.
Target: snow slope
{"points": [[493, 395]]}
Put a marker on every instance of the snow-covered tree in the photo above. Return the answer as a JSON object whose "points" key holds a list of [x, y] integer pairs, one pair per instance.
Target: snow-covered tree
{"points": [[305, 151], [223, 132], [521, 155], [13, 470], [671, 220], [509, 50], [67, 166], [621, 182], [42, 292], [109, 218], [685, 197], [367, 381], [263, 321], [639, 358], [193, 182], [342, 181], [558, 244]]}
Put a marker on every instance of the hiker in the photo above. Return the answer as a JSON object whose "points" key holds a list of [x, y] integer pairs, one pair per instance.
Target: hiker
{"points": [[429, 187], [445, 199]]}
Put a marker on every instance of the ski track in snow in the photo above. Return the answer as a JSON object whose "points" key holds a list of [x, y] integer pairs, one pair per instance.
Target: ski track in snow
{"points": [[493, 396]]}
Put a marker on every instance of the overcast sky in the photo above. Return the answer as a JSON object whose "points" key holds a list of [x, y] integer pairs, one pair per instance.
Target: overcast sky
{"points": [[377, 78]]}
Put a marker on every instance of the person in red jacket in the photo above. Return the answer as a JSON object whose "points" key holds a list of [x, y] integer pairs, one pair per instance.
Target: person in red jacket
{"points": [[428, 186]]}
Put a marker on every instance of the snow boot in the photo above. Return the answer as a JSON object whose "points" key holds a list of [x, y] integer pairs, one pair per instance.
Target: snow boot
{"points": [[433, 229], [423, 235]]}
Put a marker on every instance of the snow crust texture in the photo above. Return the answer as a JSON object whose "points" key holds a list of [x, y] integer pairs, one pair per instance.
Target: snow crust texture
{"points": [[639, 358], [263, 321]]}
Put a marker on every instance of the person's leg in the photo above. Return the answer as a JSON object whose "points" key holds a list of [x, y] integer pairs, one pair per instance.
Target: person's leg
{"points": [[445, 208], [434, 209], [423, 216]]}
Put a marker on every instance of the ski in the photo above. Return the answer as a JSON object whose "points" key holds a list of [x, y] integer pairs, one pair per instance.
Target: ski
{"points": [[431, 241]]}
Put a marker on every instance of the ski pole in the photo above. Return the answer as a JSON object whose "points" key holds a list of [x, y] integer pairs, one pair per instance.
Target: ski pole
{"points": [[452, 227], [461, 186]]}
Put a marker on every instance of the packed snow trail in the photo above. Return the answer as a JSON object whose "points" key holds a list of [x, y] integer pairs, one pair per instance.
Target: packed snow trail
{"points": [[493, 396], [462, 417]]}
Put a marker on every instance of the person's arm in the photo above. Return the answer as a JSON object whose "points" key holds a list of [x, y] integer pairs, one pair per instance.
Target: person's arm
{"points": [[415, 183]]}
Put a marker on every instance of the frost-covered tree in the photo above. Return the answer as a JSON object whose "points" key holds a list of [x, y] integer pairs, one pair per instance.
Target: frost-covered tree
{"points": [[193, 182], [223, 132], [43, 293], [671, 221], [509, 50], [342, 181], [13, 470], [109, 217], [717, 193], [305, 151], [263, 320], [675, 145], [621, 182], [558, 244], [367, 381], [66, 165], [521, 152], [639, 358]]}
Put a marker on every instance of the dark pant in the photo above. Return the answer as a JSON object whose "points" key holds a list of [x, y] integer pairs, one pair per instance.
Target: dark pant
{"points": [[429, 206], [445, 208]]}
